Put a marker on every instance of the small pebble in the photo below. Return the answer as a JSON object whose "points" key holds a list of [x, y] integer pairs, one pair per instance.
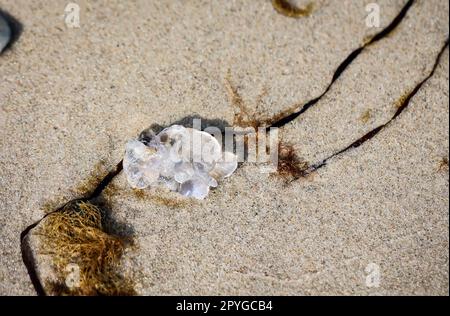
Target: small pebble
{"points": [[5, 33]]}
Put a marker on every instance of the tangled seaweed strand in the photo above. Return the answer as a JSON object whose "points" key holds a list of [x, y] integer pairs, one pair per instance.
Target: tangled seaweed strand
{"points": [[289, 164], [75, 235]]}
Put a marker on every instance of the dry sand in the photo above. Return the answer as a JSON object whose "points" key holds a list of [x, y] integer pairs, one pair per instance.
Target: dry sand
{"points": [[71, 98]]}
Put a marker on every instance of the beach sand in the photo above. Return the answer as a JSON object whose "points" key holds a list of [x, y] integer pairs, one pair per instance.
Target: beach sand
{"points": [[70, 98]]}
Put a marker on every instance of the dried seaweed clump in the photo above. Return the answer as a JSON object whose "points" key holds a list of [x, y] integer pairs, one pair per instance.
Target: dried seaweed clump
{"points": [[290, 166], [443, 164], [74, 236]]}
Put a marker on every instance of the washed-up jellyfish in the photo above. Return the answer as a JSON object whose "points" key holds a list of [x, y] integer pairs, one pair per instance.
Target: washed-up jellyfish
{"points": [[183, 159]]}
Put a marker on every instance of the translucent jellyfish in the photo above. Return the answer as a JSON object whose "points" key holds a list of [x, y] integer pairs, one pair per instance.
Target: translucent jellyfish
{"points": [[184, 160]]}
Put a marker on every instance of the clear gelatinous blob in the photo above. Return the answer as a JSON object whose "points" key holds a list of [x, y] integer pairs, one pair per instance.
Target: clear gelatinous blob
{"points": [[140, 164], [194, 188], [183, 159], [183, 172], [224, 167]]}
